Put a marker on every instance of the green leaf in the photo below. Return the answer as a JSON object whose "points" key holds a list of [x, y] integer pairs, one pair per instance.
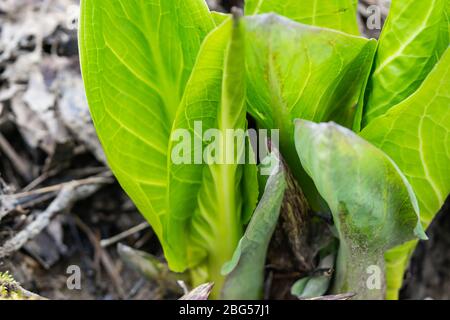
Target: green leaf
{"points": [[311, 287], [219, 17], [373, 205], [136, 58], [299, 71], [250, 189], [209, 203], [298, 288], [416, 135], [245, 271], [318, 284], [334, 14], [414, 37]]}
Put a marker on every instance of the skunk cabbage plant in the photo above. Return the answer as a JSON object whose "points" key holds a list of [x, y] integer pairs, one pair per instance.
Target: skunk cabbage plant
{"points": [[150, 68], [363, 125]]}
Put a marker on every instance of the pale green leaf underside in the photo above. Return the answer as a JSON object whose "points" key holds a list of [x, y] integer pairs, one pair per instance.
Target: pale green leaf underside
{"points": [[412, 42], [416, 135], [209, 203], [373, 206], [334, 14], [300, 71], [245, 271], [136, 58], [380, 207]]}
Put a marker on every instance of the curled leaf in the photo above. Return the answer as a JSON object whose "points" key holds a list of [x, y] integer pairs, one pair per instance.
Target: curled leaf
{"points": [[245, 271], [373, 205], [300, 71]]}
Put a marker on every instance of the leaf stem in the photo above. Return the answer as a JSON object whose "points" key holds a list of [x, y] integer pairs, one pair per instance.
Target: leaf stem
{"points": [[360, 271]]}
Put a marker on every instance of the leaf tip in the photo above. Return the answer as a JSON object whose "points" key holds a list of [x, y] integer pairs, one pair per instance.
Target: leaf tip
{"points": [[420, 232], [237, 13]]}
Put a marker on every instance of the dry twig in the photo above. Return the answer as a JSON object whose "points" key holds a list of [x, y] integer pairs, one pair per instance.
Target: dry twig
{"points": [[70, 193], [104, 258], [140, 227]]}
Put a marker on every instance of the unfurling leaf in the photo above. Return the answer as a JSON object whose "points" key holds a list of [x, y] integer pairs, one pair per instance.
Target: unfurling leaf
{"points": [[299, 71], [245, 271], [210, 203], [373, 205]]}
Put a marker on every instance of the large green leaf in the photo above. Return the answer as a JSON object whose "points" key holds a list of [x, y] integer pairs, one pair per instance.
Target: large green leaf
{"points": [[136, 58], [373, 205], [416, 135], [299, 71], [210, 203], [414, 37], [335, 14], [245, 271]]}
